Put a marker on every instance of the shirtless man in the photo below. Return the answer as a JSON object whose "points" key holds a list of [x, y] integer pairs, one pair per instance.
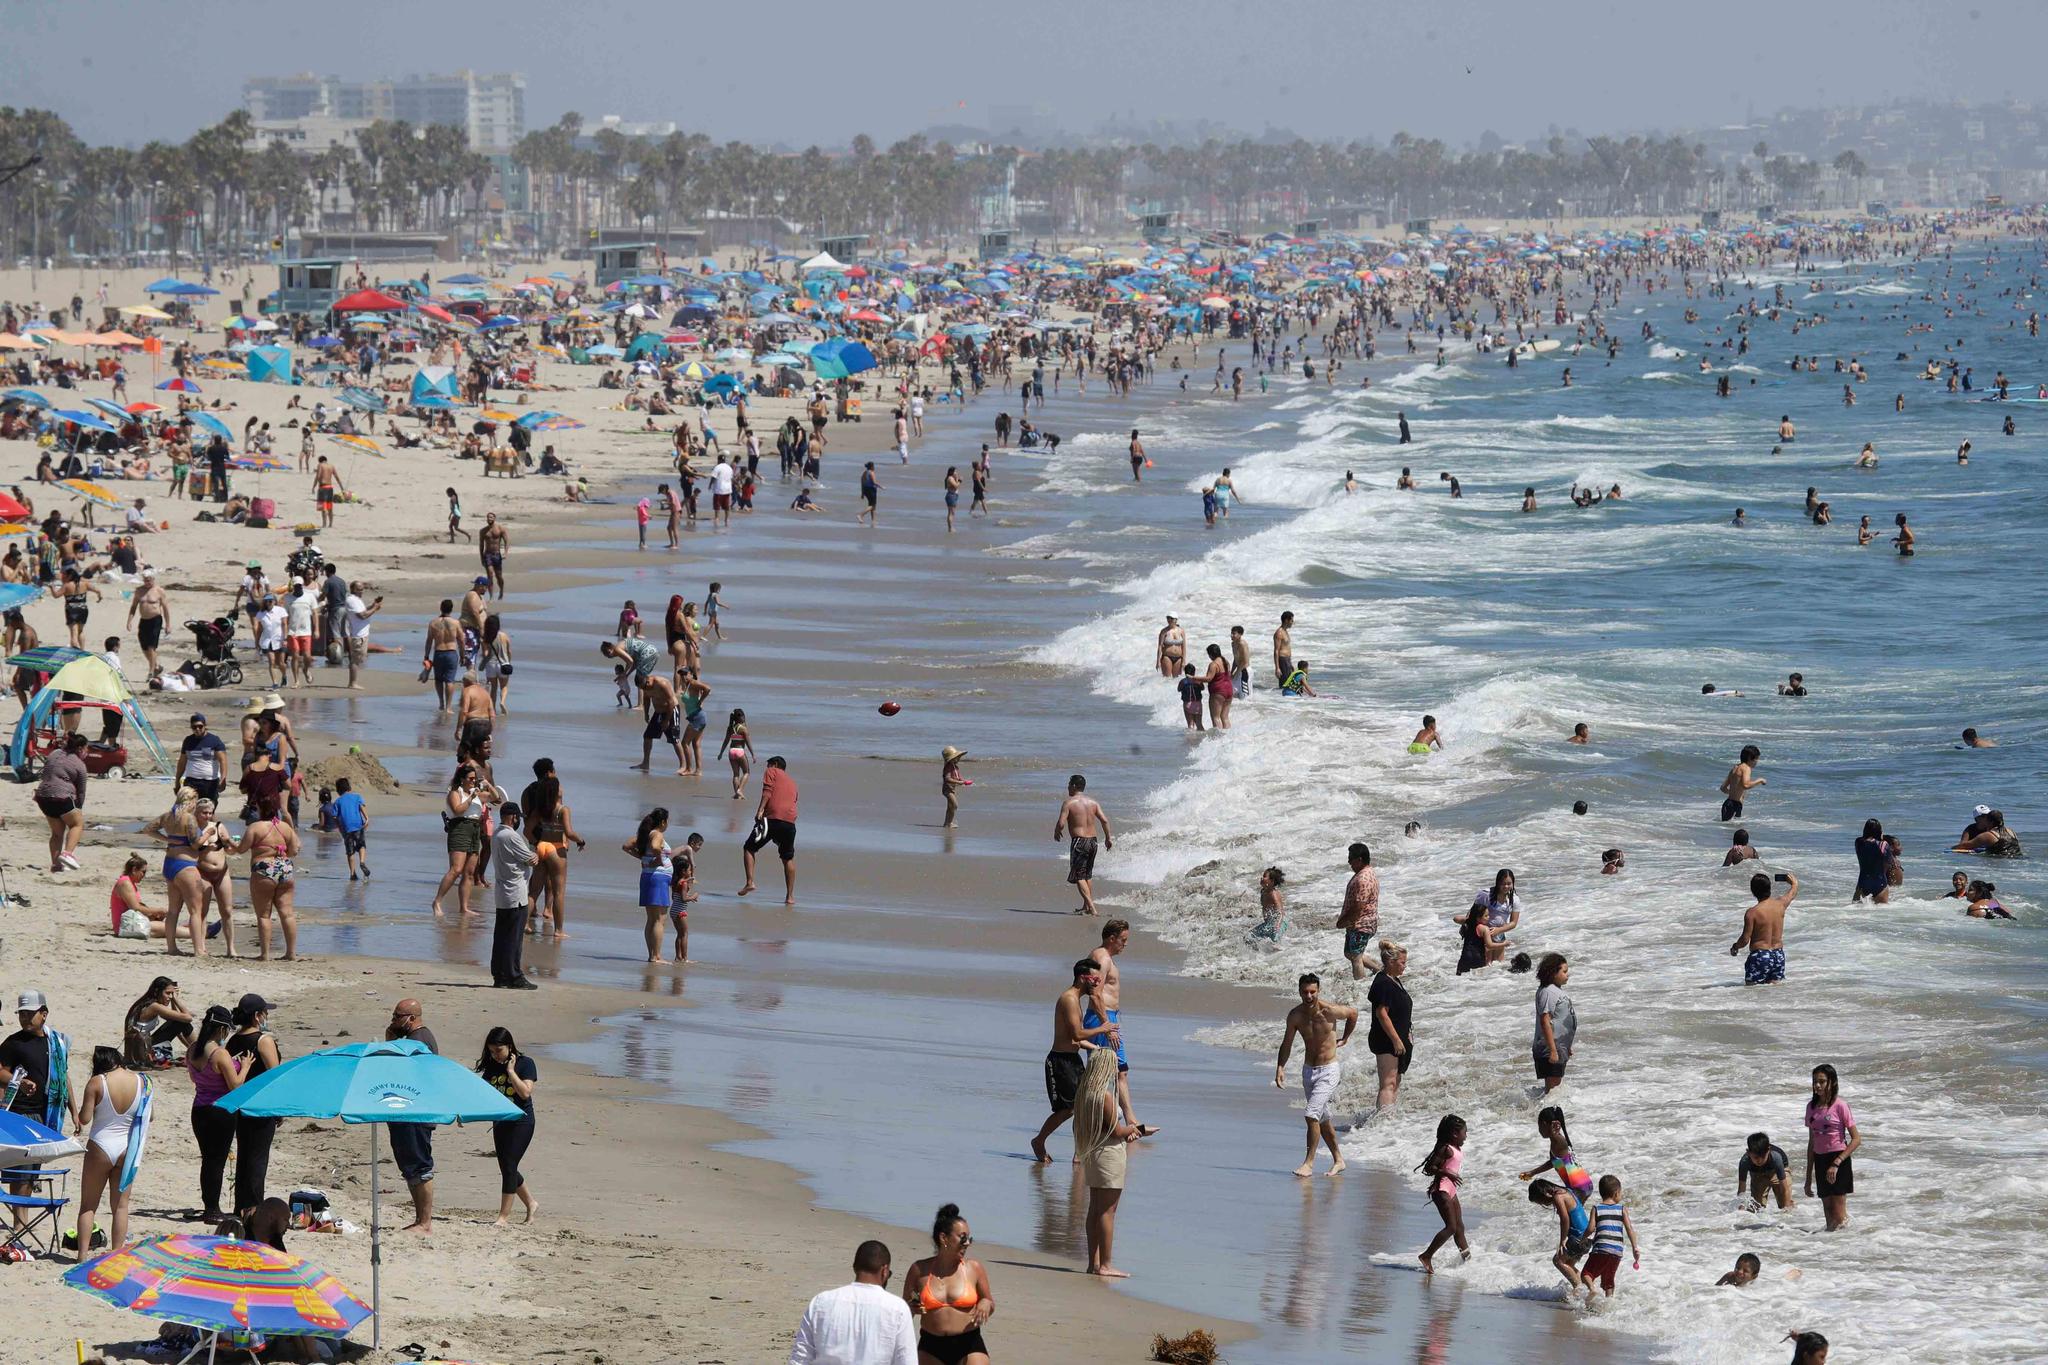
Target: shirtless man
{"points": [[1070, 1038], [1763, 930], [1316, 1022], [474, 609], [1083, 821], [1173, 648], [1741, 780], [658, 696], [444, 652], [149, 607], [492, 545], [326, 488], [1103, 1008], [474, 712], [1240, 662], [1283, 648]]}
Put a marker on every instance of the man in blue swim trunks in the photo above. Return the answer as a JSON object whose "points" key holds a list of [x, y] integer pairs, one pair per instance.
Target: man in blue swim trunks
{"points": [[443, 657], [1763, 930], [1104, 1007]]}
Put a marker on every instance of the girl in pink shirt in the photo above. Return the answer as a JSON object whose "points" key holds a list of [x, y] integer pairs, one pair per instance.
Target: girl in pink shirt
{"points": [[1831, 1140], [1442, 1165]]}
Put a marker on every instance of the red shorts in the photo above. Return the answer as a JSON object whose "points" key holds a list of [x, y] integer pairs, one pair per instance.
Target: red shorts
{"points": [[302, 644], [1599, 1269], [721, 501]]}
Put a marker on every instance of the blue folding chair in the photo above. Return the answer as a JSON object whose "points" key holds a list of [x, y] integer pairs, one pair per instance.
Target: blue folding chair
{"points": [[37, 1219]]}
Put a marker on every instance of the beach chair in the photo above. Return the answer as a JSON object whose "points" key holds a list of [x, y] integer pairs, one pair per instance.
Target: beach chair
{"points": [[42, 1215]]}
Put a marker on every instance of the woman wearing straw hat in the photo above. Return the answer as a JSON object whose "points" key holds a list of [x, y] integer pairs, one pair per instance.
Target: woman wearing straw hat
{"points": [[951, 781]]}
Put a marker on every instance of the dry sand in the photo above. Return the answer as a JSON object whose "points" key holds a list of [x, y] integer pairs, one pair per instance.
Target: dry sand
{"points": [[651, 1246]]}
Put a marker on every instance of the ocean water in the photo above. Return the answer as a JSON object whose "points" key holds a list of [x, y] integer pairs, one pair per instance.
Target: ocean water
{"points": [[1510, 628]]}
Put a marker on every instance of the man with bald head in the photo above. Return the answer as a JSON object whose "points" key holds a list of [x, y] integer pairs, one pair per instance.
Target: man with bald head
{"points": [[412, 1144]]}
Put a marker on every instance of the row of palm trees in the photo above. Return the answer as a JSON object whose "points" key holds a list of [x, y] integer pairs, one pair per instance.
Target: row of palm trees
{"points": [[223, 191]]}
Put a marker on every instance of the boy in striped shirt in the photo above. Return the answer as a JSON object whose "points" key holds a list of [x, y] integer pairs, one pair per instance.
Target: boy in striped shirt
{"points": [[1610, 1226]]}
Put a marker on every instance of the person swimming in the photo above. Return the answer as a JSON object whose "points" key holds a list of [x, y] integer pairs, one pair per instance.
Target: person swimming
{"points": [[1426, 738]]}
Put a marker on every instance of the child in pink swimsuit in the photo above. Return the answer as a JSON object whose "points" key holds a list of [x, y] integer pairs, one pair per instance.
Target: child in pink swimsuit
{"points": [[1442, 1166]]}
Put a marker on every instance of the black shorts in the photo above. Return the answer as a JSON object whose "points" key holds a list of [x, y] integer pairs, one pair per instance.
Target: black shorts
{"points": [[954, 1349], [1407, 1056], [781, 833], [354, 840], [1731, 809], [662, 725], [1844, 1181], [149, 631], [1063, 1072], [1547, 1070], [56, 807], [208, 788]]}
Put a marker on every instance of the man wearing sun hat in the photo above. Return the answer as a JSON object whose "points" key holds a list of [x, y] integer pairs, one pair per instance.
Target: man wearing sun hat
{"points": [[951, 781]]}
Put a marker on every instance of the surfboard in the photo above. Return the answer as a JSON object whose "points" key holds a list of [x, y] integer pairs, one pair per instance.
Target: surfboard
{"points": [[1547, 345]]}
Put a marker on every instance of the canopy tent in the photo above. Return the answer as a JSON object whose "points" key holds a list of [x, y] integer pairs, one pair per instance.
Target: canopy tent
{"points": [[181, 288], [433, 381], [823, 261], [647, 343], [369, 301], [89, 677], [270, 364]]}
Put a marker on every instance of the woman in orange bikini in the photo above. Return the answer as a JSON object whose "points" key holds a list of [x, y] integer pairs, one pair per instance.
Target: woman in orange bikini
{"points": [[949, 1294]]}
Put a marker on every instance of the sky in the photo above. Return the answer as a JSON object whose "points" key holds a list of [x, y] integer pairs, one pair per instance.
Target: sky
{"points": [[802, 71]]}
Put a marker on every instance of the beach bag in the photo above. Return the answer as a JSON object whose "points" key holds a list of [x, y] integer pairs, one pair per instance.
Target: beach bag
{"points": [[134, 924]]}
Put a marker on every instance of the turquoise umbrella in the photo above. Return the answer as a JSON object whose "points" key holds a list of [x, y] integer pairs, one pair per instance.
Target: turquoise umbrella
{"points": [[374, 1083]]}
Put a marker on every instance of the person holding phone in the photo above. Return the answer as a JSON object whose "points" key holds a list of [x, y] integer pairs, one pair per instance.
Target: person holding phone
{"points": [[1763, 930]]}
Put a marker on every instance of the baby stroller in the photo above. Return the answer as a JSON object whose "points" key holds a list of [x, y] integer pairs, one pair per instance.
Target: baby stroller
{"points": [[215, 666]]}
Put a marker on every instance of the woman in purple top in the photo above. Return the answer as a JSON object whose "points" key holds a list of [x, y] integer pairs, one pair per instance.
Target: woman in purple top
{"points": [[214, 1073], [1831, 1140]]}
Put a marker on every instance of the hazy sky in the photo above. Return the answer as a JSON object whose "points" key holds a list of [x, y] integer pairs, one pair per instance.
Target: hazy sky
{"points": [[805, 71]]}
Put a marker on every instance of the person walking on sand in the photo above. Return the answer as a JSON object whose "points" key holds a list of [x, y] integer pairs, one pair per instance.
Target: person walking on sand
{"points": [[860, 1323], [1315, 1021], [1763, 930], [951, 780], [1084, 823], [512, 1074], [412, 1144], [442, 659], [774, 823], [1070, 1038], [1104, 1007]]}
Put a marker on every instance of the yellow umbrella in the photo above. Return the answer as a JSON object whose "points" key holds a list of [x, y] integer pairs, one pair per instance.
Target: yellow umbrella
{"points": [[91, 677], [499, 415], [143, 310], [13, 528], [214, 362], [362, 443], [91, 492]]}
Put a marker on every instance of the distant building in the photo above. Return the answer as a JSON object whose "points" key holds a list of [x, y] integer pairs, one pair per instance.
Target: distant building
{"points": [[490, 109], [307, 134]]}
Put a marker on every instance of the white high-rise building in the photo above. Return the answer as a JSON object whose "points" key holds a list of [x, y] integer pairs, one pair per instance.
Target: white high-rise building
{"points": [[490, 109]]}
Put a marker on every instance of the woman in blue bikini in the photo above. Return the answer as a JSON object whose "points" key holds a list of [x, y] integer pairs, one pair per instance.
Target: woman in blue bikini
{"points": [[177, 828]]}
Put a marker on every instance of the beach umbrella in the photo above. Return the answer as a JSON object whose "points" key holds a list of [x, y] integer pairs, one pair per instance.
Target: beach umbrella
{"points": [[108, 407], [92, 678], [92, 492], [362, 400], [45, 658], [143, 408], [182, 288], [362, 443], [79, 418], [206, 421], [28, 396], [179, 384], [375, 1083], [143, 310], [465, 278], [221, 1285], [11, 509], [10, 342], [12, 597], [553, 421]]}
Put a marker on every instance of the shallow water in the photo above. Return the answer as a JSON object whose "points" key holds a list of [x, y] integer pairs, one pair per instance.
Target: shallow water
{"points": [[1510, 628]]}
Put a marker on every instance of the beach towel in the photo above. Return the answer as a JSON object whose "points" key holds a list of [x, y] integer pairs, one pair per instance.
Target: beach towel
{"points": [[57, 1094], [138, 1134]]}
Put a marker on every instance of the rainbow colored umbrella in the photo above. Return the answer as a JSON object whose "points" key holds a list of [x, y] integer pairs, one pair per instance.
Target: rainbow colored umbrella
{"points": [[362, 443], [218, 1284]]}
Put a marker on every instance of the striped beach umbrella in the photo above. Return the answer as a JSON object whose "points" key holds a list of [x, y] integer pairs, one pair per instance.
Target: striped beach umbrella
{"points": [[219, 1284], [91, 492], [179, 384], [362, 443]]}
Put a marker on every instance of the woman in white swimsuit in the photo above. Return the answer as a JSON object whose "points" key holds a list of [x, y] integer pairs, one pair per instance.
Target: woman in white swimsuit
{"points": [[106, 1111]]}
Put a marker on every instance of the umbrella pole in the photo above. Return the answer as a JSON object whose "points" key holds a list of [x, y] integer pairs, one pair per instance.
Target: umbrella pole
{"points": [[376, 1254]]}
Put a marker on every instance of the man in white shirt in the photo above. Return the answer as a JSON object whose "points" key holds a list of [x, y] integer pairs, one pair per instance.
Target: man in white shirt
{"points": [[721, 492], [356, 619], [860, 1323]]}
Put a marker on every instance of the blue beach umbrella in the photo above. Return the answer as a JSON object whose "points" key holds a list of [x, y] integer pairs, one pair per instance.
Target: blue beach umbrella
{"points": [[28, 396], [78, 417], [208, 422], [23, 1141], [375, 1083]]}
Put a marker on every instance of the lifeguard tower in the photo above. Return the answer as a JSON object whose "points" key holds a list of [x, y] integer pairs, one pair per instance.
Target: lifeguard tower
{"points": [[847, 247], [995, 244], [311, 286], [623, 260]]}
